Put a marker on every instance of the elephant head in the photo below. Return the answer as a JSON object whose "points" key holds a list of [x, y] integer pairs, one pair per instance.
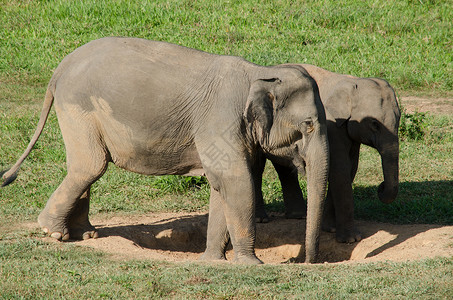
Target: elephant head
{"points": [[287, 120], [370, 109]]}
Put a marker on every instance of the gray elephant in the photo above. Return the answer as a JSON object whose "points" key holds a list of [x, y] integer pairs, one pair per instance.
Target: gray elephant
{"points": [[157, 108], [359, 111]]}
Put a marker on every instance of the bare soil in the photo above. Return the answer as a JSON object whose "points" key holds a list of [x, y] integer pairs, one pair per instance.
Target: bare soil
{"points": [[439, 106], [182, 236]]}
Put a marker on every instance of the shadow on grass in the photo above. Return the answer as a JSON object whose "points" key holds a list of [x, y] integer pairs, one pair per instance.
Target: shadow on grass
{"points": [[428, 202]]}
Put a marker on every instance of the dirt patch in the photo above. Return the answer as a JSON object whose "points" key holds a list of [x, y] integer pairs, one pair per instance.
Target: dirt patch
{"points": [[182, 237], [440, 106]]}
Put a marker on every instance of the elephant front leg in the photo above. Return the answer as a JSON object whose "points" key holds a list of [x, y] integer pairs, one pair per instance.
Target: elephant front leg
{"points": [[240, 218], [261, 215], [328, 219], [217, 236], [295, 207], [231, 215], [230, 175], [346, 232], [340, 195], [339, 208]]}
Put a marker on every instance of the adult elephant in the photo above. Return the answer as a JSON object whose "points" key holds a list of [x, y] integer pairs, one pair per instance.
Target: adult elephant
{"points": [[359, 111], [157, 108]]}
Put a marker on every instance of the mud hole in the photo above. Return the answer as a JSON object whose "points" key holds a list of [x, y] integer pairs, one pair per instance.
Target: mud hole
{"points": [[182, 237]]}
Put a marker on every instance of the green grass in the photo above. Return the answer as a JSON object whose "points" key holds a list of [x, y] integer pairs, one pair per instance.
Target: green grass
{"points": [[409, 43], [66, 271]]}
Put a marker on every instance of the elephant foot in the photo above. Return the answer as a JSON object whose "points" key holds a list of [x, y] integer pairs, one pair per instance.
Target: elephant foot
{"points": [[328, 227], [58, 228], [262, 219], [54, 227], [296, 215], [348, 236], [261, 216], [247, 260], [83, 233], [212, 256], [82, 230]]}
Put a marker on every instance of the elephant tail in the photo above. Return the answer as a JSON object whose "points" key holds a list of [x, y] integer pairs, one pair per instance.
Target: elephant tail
{"points": [[10, 175]]}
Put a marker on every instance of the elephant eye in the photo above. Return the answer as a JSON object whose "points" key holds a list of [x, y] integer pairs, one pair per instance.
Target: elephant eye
{"points": [[309, 124], [375, 125]]}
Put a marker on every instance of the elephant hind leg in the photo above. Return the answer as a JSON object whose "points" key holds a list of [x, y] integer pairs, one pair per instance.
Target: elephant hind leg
{"points": [[66, 212], [79, 224]]}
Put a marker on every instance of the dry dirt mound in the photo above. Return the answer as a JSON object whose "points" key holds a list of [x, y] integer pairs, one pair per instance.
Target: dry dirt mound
{"points": [[182, 237]]}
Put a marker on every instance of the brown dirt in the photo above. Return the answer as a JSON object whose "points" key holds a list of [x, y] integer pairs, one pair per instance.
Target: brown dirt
{"points": [[182, 237]]}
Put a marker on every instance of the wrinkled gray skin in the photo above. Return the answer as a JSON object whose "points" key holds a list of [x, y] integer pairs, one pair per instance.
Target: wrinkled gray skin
{"points": [[157, 108], [359, 111]]}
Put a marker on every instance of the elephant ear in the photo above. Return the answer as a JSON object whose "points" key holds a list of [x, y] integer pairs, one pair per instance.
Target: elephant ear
{"points": [[338, 102], [259, 109]]}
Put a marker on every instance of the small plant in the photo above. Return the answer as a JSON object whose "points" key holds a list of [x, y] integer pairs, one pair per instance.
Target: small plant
{"points": [[194, 181], [178, 184], [412, 126]]}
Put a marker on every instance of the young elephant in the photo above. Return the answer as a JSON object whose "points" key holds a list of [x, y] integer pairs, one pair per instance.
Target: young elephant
{"points": [[157, 108], [359, 111]]}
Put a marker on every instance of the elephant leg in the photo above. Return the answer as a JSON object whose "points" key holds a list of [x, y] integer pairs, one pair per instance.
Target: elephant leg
{"points": [[344, 207], [340, 194], [328, 220], [217, 236], [66, 202], [341, 213], [79, 224], [339, 209], [261, 215], [231, 215], [66, 211], [240, 217], [295, 207], [231, 177], [354, 155]]}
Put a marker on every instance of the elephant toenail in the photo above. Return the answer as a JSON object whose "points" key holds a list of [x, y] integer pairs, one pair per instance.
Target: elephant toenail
{"points": [[90, 235], [56, 235]]}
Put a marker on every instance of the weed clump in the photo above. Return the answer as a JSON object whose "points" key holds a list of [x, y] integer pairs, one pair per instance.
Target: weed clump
{"points": [[412, 126]]}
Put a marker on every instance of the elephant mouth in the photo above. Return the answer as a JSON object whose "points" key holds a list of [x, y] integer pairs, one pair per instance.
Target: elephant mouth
{"points": [[290, 157], [300, 166]]}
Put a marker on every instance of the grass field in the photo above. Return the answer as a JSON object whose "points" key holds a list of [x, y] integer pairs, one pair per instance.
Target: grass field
{"points": [[409, 43]]}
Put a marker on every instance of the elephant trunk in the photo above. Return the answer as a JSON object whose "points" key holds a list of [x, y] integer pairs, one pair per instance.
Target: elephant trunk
{"points": [[317, 167], [388, 189]]}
